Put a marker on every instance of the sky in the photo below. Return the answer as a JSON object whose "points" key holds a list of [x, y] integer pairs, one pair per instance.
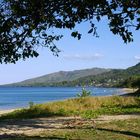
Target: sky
{"points": [[107, 51]]}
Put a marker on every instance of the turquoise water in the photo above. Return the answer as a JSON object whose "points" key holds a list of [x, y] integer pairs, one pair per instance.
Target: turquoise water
{"points": [[17, 97]]}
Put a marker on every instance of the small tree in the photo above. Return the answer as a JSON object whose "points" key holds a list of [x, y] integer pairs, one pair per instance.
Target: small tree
{"points": [[84, 93], [31, 104]]}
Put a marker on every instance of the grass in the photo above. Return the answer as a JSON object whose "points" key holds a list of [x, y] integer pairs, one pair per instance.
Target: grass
{"points": [[86, 107], [115, 130]]}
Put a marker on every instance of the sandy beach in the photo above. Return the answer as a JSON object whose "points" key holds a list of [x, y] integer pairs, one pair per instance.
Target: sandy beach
{"points": [[31, 127], [126, 91], [6, 111], [129, 90]]}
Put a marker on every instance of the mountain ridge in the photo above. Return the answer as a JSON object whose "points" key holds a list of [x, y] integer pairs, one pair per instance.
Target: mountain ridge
{"points": [[86, 77], [113, 78], [60, 77]]}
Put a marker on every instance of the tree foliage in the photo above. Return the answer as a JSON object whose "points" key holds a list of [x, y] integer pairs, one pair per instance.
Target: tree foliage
{"points": [[84, 93], [26, 25], [136, 83], [132, 82]]}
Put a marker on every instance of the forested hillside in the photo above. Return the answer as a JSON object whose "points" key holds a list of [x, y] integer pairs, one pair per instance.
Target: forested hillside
{"points": [[58, 77], [88, 77], [113, 78]]}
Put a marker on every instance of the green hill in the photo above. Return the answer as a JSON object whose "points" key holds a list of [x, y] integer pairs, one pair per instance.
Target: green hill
{"points": [[88, 77], [58, 77], [113, 78]]}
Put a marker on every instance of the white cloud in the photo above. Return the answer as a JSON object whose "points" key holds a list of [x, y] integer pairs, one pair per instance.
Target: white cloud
{"points": [[89, 57], [137, 58]]}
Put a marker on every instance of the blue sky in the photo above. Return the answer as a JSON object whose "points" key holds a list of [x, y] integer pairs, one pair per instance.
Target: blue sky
{"points": [[107, 51]]}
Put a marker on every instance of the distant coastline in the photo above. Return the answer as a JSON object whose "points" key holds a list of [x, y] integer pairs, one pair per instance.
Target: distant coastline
{"points": [[97, 77]]}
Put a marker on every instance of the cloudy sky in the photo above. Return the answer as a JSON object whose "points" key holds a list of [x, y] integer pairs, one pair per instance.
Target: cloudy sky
{"points": [[107, 51]]}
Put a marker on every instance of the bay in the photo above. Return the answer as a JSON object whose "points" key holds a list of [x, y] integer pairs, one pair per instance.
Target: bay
{"points": [[18, 97]]}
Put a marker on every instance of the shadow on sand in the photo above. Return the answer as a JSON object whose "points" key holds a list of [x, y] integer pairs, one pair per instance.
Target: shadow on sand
{"points": [[17, 137], [22, 137], [128, 133]]}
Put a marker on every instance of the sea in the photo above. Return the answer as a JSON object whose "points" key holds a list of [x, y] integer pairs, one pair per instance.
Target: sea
{"points": [[20, 97]]}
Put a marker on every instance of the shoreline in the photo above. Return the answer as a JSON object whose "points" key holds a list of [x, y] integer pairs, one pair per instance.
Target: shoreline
{"points": [[125, 92], [128, 90], [7, 111]]}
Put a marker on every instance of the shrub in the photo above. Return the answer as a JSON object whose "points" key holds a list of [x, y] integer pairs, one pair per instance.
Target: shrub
{"points": [[31, 104], [84, 93]]}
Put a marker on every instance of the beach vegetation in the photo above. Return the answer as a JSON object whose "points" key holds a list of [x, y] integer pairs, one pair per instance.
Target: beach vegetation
{"points": [[84, 93], [87, 107], [31, 104]]}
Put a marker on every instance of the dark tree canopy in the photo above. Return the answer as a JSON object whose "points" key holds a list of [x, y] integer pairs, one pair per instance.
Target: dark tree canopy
{"points": [[136, 83], [25, 24]]}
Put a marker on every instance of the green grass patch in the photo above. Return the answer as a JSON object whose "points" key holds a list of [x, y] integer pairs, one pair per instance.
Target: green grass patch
{"points": [[87, 107]]}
